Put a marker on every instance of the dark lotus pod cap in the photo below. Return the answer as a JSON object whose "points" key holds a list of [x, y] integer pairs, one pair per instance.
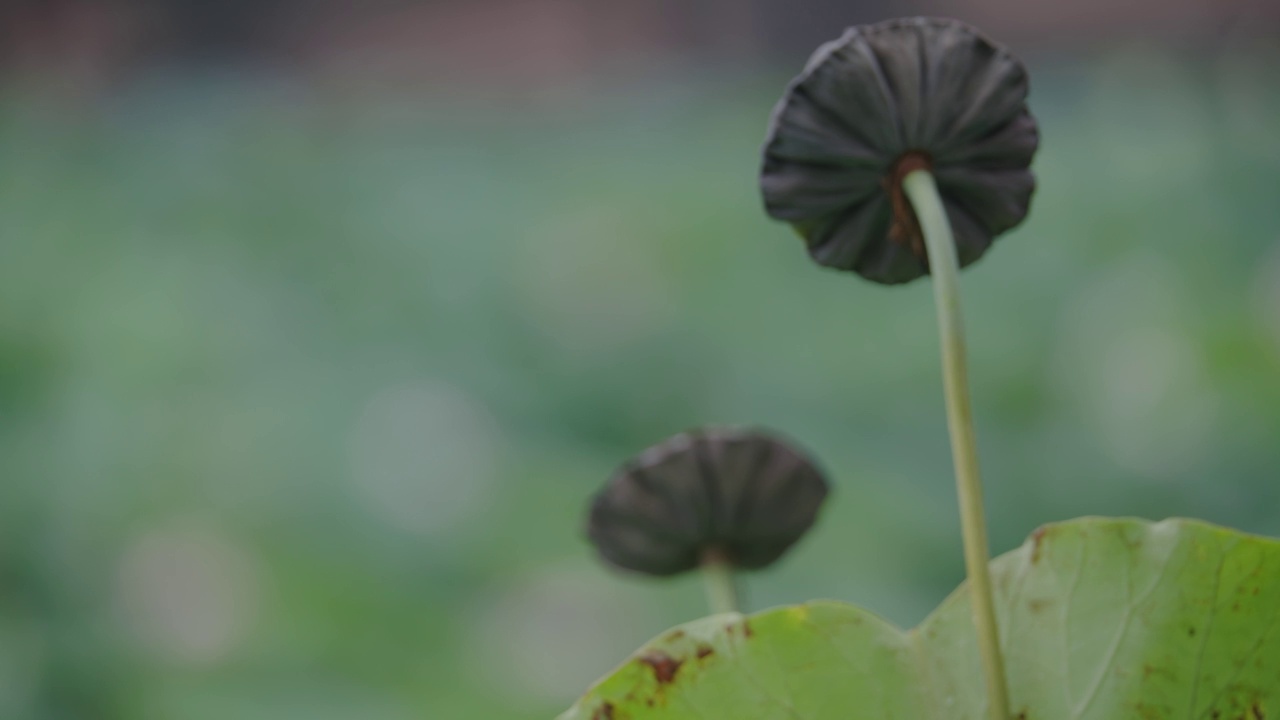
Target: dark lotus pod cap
{"points": [[739, 495], [879, 102]]}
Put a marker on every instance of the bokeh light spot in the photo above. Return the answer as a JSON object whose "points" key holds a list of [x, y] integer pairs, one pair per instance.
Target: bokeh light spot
{"points": [[424, 455], [187, 593]]}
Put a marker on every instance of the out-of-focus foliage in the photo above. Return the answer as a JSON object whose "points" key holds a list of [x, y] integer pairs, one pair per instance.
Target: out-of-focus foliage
{"points": [[300, 404]]}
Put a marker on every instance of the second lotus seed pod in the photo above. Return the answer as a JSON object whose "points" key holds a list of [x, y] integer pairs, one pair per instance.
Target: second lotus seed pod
{"points": [[743, 496]]}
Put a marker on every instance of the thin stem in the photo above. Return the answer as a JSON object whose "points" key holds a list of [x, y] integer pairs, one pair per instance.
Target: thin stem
{"points": [[945, 269], [721, 586]]}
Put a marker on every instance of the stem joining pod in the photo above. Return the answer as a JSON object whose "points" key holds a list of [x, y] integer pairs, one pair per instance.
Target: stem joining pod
{"points": [[922, 191], [718, 577]]}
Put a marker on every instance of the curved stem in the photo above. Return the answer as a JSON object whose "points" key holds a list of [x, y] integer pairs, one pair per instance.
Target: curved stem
{"points": [[945, 269], [721, 586]]}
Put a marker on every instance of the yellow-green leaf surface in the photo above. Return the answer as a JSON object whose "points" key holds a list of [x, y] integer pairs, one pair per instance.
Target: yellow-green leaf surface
{"points": [[1099, 619]]}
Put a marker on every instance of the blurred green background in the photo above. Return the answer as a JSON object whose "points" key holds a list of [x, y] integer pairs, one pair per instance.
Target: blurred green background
{"points": [[306, 374]]}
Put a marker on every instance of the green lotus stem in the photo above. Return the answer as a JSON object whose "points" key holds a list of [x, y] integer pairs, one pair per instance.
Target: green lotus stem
{"points": [[720, 584], [922, 191]]}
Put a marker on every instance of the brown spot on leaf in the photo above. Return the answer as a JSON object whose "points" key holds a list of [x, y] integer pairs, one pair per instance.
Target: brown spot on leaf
{"points": [[674, 635], [746, 629], [1036, 605], [1036, 538], [1191, 632], [604, 712], [664, 666], [704, 650], [1150, 670], [1022, 715], [1256, 711]]}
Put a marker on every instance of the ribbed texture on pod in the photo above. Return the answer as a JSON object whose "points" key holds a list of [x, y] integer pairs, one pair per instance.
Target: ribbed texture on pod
{"points": [[922, 88], [744, 494]]}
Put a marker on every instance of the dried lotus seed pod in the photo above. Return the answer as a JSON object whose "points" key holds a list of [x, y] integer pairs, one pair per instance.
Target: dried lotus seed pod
{"points": [[741, 496], [879, 102]]}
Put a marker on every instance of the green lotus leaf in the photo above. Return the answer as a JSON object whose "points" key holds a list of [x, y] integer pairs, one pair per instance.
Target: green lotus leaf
{"points": [[1099, 619]]}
